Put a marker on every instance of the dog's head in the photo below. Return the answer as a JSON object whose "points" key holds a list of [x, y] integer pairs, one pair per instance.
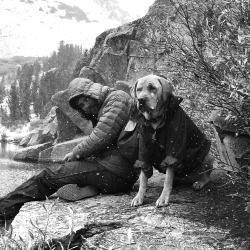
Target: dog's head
{"points": [[150, 93]]}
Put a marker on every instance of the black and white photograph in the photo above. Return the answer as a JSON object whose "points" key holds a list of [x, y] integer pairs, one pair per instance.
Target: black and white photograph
{"points": [[124, 124]]}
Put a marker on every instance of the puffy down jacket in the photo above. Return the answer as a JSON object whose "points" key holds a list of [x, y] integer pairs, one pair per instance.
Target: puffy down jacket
{"points": [[114, 108]]}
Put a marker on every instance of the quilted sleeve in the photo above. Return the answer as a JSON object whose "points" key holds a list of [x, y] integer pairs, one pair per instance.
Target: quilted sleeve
{"points": [[114, 116]]}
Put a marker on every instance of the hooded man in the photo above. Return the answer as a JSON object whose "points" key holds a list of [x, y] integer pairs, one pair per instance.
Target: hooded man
{"points": [[95, 163]]}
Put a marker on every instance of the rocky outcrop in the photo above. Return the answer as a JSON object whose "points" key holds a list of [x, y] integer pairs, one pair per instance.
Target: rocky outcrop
{"points": [[91, 74], [124, 53], [192, 221]]}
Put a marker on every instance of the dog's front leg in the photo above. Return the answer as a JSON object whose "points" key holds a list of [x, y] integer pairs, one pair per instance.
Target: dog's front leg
{"points": [[138, 200], [168, 184]]}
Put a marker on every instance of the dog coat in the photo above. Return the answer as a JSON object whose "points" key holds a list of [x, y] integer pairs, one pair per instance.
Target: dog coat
{"points": [[178, 136]]}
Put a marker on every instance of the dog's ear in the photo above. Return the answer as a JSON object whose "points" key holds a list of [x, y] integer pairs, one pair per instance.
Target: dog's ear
{"points": [[133, 91], [167, 87]]}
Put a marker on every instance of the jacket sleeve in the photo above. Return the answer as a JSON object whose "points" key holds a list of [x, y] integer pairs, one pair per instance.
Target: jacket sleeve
{"points": [[113, 118]]}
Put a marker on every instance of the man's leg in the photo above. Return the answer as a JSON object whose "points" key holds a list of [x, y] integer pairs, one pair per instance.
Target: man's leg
{"points": [[49, 180]]}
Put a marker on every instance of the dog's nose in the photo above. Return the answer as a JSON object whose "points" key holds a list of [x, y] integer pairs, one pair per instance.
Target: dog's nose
{"points": [[141, 102]]}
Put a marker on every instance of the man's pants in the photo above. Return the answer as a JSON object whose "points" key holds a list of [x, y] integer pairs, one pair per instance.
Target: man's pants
{"points": [[49, 180]]}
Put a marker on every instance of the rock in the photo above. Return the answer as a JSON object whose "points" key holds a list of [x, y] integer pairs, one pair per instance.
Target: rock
{"points": [[31, 153], [24, 142], [239, 148], [240, 145], [50, 117], [227, 156], [123, 85], [50, 129], [109, 222], [233, 143], [35, 124], [46, 109], [35, 137], [66, 130], [90, 73], [224, 125], [111, 52], [58, 151], [125, 53], [42, 130], [43, 135], [60, 99]]}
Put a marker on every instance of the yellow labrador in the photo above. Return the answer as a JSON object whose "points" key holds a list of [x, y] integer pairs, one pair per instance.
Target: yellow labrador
{"points": [[151, 94]]}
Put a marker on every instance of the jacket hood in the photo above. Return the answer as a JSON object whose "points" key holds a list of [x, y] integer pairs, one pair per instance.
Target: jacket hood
{"points": [[85, 87], [173, 103]]}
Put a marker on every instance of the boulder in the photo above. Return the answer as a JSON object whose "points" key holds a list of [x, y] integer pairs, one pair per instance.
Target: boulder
{"points": [[51, 115], [123, 85], [111, 52], [66, 130], [90, 73], [130, 51], [46, 109], [58, 151], [25, 140], [35, 137], [60, 99], [42, 131], [31, 153], [50, 130], [43, 134]]}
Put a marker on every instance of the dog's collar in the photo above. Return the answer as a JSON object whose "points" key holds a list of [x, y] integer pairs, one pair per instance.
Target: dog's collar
{"points": [[157, 122]]}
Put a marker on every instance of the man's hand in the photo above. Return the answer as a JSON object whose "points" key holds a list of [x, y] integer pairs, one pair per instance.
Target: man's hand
{"points": [[70, 157]]}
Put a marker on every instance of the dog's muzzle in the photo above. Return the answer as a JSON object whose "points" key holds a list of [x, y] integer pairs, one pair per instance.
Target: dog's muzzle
{"points": [[144, 105], [141, 103]]}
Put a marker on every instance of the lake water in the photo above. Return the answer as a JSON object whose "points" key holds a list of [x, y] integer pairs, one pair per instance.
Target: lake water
{"points": [[13, 173]]}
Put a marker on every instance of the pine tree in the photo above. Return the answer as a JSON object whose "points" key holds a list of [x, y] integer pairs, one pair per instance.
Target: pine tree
{"points": [[84, 61], [13, 103], [34, 88], [2, 89], [25, 81]]}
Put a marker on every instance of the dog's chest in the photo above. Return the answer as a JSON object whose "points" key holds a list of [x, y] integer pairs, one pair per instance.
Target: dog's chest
{"points": [[157, 138]]}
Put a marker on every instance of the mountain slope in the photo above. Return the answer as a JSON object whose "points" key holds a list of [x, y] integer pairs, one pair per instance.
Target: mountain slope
{"points": [[35, 27]]}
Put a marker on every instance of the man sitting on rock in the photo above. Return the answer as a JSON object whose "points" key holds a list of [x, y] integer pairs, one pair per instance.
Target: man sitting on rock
{"points": [[95, 164]]}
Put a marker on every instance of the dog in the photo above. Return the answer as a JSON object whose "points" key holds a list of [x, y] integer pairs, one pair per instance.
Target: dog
{"points": [[153, 97]]}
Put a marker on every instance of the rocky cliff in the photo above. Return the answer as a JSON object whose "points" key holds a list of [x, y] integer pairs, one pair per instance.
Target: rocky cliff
{"points": [[124, 53]]}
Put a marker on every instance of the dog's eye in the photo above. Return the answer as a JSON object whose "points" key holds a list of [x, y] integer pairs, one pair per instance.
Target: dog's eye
{"points": [[138, 89], [151, 87]]}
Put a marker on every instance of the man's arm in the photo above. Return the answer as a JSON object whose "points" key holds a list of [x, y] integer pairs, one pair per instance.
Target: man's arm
{"points": [[113, 118]]}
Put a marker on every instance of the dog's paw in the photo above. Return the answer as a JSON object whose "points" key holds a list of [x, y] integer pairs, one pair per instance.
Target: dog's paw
{"points": [[162, 202], [138, 200], [198, 185]]}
